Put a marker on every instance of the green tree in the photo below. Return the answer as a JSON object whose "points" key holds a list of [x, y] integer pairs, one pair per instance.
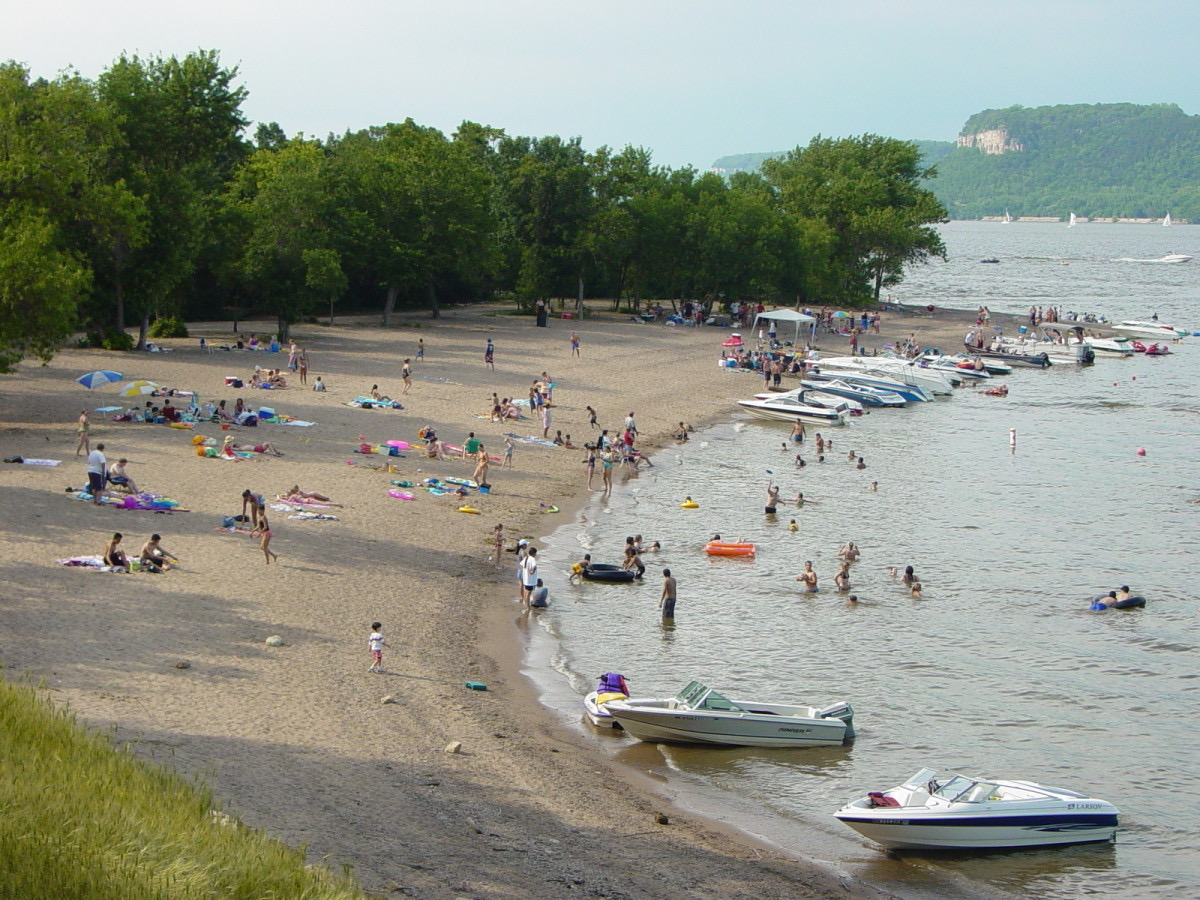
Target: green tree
{"points": [[280, 203], [868, 192], [180, 123], [55, 138], [417, 209], [546, 204]]}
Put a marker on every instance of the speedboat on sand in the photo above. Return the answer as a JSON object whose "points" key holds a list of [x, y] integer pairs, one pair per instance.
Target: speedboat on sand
{"points": [[699, 715], [1152, 330], [785, 408], [612, 687], [910, 392], [934, 811], [818, 396], [902, 370], [862, 393]]}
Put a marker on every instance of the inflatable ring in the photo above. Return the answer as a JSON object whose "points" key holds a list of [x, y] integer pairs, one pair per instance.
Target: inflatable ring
{"points": [[400, 495], [469, 509], [1128, 603], [689, 504]]}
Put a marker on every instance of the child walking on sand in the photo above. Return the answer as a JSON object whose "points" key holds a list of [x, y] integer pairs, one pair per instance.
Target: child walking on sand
{"points": [[376, 643]]}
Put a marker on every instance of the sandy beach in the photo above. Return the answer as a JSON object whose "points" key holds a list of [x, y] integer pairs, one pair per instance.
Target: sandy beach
{"points": [[297, 739]]}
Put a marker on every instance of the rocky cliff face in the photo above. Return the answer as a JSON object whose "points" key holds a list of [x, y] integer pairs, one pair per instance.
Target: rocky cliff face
{"points": [[992, 143]]}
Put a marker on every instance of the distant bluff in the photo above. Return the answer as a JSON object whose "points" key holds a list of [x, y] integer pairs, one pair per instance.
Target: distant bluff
{"points": [[1101, 161]]}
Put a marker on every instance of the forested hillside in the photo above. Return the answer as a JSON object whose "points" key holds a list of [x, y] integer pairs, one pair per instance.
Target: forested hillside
{"points": [[1107, 160], [1099, 161]]}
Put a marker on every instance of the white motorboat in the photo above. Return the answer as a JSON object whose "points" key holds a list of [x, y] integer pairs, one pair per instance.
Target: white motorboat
{"points": [[991, 366], [612, 687], [861, 393], [787, 408], [1070, 351], [1153, 330], [903, 370], [933, 811], [816, 396], [908, 391], [1174, 258], [963, 371], [699, 715]]}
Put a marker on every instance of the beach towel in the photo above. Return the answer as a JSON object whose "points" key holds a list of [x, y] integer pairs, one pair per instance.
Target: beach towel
{"points": [[233, 529], [368, 403], [323, 517], [42, 462], [530, 439], [92, 562], [297, 501]]}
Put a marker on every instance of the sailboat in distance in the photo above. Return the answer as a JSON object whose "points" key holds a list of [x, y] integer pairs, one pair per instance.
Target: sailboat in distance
{"points": [[1008, 218], [1167, 220], [1071, 224]]}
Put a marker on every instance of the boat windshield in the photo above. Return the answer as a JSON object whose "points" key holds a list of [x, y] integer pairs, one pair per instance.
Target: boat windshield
{"points": [[700, 696], [963, 790]]}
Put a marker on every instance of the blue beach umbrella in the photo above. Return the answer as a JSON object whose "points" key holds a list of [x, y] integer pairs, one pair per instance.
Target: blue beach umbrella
{"points": [[95, 379]]}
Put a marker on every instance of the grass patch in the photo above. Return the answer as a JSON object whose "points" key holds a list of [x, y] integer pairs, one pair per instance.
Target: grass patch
{"points": [[84, 820]]}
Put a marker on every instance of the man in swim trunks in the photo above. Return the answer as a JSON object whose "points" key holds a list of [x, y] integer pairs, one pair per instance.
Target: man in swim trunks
{"points": [[667, 601], [809, 578], [772, 498], [257, 504]]}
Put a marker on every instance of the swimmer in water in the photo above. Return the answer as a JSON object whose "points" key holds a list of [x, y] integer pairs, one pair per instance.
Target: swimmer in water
{"points": [[792, 526]]}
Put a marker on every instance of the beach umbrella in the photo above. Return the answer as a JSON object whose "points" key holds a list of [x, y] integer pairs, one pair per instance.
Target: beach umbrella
{"points": [[841, 315], [139, 388], [95, 379]]}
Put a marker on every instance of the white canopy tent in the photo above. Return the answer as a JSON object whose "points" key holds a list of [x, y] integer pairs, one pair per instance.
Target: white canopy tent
{"points": [[788, 315]]}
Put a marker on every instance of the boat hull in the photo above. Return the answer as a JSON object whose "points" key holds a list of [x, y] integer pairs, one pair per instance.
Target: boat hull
{"points": [[900, 829], [696, 727], [763, 410]]}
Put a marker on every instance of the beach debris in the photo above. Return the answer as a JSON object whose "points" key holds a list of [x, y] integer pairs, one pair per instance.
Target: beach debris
{"points": [[475, 685], [183, 664], [454, 747], [274, 641], [386, 699], [661, 819]]}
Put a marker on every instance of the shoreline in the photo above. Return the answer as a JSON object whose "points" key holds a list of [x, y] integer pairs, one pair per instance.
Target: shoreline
{"points": [[296, 738]]}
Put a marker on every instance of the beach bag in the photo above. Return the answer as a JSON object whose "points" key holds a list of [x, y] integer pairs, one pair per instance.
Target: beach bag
{"points": [[229, 522]]}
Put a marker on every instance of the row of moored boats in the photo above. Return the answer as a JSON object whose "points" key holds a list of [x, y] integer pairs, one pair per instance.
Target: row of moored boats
{"points": [[835, 389]]}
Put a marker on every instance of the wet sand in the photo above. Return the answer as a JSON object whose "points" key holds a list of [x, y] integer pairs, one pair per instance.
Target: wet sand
{"points": [[297, 739]]}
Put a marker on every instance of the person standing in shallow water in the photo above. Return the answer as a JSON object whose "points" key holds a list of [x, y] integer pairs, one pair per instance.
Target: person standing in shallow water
{"points": [[772, 498], [667, 601]]}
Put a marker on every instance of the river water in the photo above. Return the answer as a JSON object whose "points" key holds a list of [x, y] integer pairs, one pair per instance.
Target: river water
{"points": [[1000, 669]]}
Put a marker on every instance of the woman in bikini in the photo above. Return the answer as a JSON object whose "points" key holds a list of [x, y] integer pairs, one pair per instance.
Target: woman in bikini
{"points": [[265, 532]]}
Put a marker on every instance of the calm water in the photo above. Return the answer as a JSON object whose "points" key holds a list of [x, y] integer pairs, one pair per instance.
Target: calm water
{"points": [[1000, 669]]}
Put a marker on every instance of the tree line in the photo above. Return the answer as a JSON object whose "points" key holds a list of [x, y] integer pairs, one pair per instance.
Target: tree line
{"points": [[137, 195]]}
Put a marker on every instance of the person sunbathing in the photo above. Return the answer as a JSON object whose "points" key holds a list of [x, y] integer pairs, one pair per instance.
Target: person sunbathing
{"points": [[294, 493], [434, 449], [231, 445], [275, 378]]}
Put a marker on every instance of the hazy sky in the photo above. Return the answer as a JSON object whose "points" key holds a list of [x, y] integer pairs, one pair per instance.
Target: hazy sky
{"points": [[691, 81]]}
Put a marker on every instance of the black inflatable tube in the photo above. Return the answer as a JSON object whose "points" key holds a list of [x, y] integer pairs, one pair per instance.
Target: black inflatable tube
{"points": [[1127, 603]]}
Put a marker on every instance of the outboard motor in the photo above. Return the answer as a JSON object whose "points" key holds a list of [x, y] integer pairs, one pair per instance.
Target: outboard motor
{"points": [[840, 710], [1084, 354]]}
